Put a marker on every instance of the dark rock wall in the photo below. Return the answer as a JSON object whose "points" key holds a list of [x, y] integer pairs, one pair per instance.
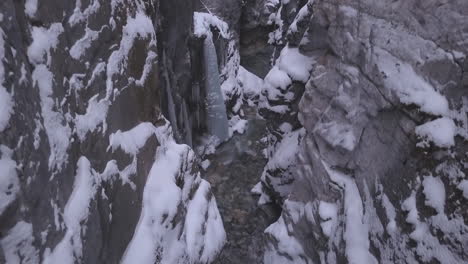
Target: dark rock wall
{"points": [[110, 69]]}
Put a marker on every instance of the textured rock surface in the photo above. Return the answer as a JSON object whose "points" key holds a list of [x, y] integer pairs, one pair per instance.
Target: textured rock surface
{"points": [[86, 134], [379, 71], [365, 113]]}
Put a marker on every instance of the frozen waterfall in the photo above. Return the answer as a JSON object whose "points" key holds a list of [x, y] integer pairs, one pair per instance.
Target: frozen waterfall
{"points": [[217, 122]]}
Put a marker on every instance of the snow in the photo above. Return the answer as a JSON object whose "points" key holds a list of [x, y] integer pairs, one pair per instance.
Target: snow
{"points": [[231, 85], [275, 37], [236, 124], [434, 191], [23, 79], [161, 196], [409, 205], [440, 131], [133, 140], [6, 107], [158, 235], [17, 245], [76, 212], [390, 212], [328, 213], [463, 186], [295, 64], [409, 86], [286, 243], [58, 131], [139, 26], [205, 164], [356, 231], [30, 7], [202, 23], [9, 182], [37, 137], [286, 150], [80, 47], [196, 242], [428, 246], [43, 40], [150, 60], [80, 16], [337, 134], [303, 12], [96, 114], [251, 83], [348, 11], [275, 79], [6, 102]]}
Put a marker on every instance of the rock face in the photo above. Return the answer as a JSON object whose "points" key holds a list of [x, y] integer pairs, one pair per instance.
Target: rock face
{"points": [[89, 169], [365, 104], [380, 171]]}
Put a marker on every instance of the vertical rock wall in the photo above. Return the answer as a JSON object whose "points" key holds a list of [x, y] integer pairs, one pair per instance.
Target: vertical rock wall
{"points": [[379, 173], [84, 85]]}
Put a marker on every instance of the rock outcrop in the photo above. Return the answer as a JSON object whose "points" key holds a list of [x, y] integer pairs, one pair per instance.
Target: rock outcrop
{"points": [[380, 172], [90, 171]]}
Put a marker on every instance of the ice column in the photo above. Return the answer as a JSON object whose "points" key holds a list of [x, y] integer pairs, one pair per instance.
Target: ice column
{"points": [[217, 122]]}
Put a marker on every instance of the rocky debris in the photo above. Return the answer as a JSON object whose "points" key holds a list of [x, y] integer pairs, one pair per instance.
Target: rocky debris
{"points": [[234, 169]]}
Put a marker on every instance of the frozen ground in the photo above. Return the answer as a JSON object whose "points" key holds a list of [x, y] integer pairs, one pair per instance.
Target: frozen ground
{"points": [[234, 170]]}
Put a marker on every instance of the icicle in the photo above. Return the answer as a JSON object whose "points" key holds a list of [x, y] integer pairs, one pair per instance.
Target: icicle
{"points": [[170, 102], [217, 122], [187, 124], [196, 100]]}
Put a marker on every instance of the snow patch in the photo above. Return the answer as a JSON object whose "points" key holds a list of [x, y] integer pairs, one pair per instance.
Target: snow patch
{"points": [[236, 124], [9, 182], [58, 131], [337, 134], [96, 114], [30, 8], [409, 86], [440, 131], [434, 191], [356, 230], [6, 100], [329, 214], [275, 82], [43, 40], [80, 16], [158, 235], [286, 150], [390, 212], [80, 47], [251, 83], [463, 186], [133, 140], [76, 212], [17, 245], [295, 64], [286, 243], [202, 23], [139, 26]]}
